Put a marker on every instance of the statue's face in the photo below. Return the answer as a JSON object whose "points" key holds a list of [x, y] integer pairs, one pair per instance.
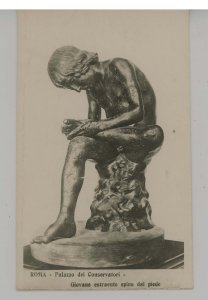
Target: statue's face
{"points": [[80, 83]]}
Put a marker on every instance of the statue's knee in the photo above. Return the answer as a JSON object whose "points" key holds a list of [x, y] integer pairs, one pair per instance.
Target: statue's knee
{"points": [[159, 134], [78, 146], [155, 136]]}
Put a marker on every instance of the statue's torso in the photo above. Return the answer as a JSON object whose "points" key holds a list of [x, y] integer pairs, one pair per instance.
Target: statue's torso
{"points": [[112, 92]]}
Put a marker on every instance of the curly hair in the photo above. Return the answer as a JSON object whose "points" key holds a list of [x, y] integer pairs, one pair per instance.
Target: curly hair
{"points": [[68, 62]]}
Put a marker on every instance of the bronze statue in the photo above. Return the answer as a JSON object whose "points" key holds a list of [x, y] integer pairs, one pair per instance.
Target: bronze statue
{"points": [[122, 144]]}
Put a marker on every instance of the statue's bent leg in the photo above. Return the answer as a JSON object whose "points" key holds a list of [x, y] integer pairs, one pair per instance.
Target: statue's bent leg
{"points": [[137, 142], [79, 150]]}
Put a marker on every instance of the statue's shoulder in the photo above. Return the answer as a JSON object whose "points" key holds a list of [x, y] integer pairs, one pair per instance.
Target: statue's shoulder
{"points": [[120, 63], [121, 66]]}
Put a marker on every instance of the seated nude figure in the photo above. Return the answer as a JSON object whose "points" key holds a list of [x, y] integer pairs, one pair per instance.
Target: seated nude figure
{"points": [[119, 88]]}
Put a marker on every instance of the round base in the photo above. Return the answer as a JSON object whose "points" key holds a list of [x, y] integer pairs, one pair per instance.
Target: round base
{"points": [[95, 249]]}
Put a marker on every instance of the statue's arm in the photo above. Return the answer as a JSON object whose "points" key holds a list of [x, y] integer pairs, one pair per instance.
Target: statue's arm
{"points": [[126, 74], [124, 119], [94, 110], [94, 115]]}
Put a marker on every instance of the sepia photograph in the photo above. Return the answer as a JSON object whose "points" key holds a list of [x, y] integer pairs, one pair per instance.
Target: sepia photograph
{"points": [[103, 150]]}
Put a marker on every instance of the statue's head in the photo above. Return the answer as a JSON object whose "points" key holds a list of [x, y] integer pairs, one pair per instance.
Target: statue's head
{"points": [[69, 67]]}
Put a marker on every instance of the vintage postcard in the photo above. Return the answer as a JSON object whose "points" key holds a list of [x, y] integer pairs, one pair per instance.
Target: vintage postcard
{"points": [[103, 150]]}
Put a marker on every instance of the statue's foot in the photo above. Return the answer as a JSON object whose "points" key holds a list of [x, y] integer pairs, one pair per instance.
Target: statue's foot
{"points": [[62, 228]]}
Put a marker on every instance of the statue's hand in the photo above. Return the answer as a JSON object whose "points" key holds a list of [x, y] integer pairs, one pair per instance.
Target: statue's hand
{"points": [[70, 124], [88, 128]]}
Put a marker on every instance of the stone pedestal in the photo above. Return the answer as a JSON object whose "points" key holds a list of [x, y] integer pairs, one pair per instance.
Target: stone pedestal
{"points": [[121, 199], [95, 249]]}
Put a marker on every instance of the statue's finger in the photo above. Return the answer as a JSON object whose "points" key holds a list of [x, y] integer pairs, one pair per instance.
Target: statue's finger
{"points": [[76, 130], [66, 128], [70, 136], [75, 133]]}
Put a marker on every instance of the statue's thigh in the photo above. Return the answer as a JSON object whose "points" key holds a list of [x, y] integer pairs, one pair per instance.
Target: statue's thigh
{"points": [[150, 136], [137, 142]]}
